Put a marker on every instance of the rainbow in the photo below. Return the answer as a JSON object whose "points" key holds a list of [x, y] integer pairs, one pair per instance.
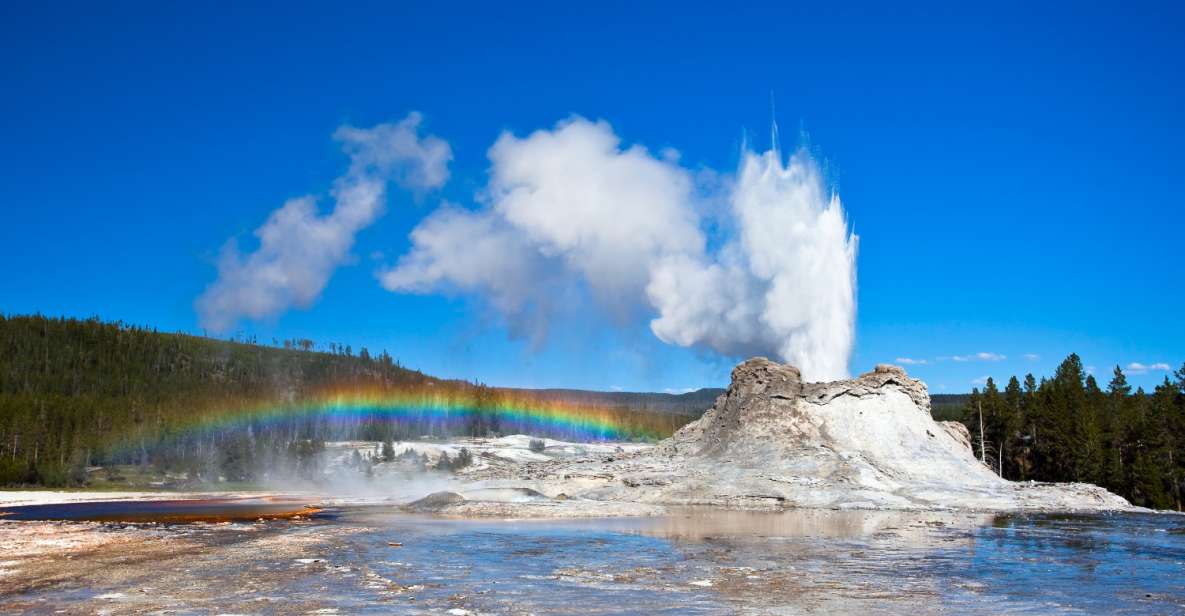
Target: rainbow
{"points": [[435, 410]]}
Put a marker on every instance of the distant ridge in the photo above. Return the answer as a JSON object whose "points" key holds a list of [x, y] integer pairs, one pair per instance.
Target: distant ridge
{"points": [[691, 404]]}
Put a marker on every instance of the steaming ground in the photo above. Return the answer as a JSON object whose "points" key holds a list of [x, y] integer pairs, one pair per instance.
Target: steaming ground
{"points": [[411, 476], [396, 482]]}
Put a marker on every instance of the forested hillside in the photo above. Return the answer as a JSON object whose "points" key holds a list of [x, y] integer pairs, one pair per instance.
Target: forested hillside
{"points": [[948, 407], [1068, 428], [79, 393]]}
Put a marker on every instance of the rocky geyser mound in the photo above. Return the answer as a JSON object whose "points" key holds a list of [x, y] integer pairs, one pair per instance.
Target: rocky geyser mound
{"points": [[869, 442]]}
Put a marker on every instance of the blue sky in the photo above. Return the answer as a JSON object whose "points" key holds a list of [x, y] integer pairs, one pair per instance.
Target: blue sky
{"points": [[1014, 173]]}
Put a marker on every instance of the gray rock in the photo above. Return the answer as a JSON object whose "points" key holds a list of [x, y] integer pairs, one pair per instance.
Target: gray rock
{"points": [[435, 502]]}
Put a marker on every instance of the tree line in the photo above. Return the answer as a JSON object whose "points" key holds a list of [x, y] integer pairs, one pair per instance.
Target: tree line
{"points": [[1068, 428], [76, 394]]}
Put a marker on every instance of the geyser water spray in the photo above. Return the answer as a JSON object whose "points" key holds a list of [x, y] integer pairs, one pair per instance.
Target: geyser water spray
{"points": [[783, 285]]}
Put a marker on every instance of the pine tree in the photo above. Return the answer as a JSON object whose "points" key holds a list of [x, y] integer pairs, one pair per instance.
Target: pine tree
{"points": [[1114, 421], [1088, 435], [1071, 433], [995, 425], [973, 419], [1013, 442], [1159, 440]]}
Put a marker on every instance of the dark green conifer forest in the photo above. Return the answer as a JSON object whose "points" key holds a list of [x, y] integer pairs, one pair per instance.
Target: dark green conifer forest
{"points": [[1069, 428], [77, 394]]}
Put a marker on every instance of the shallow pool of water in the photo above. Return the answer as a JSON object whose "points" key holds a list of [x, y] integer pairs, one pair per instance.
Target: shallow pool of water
{"points": [[166, 511], [374, 560]]}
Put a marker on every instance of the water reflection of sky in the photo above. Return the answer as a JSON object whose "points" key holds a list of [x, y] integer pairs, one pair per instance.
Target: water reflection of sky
{"points": [[1098, 563], [697, 562]]}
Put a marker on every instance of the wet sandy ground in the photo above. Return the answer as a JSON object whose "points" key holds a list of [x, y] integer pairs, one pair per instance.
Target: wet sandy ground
{"points": [[373, 560]]}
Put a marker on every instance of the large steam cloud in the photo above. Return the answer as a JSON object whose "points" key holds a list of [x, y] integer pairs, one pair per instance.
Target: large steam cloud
{"points": [[299, 249], [570, 210]]}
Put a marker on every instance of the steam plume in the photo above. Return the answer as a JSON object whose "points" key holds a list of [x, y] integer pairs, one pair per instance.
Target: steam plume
{"points": [[783, 286], [570, 211], [564, 208]]}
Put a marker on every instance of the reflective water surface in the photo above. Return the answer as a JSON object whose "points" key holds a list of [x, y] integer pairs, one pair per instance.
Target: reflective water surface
{"points": [[374, 560], [166, 511]]}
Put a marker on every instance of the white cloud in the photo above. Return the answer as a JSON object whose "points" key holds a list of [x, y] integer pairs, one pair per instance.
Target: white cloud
{"points": [[567, 211], [1032, 356], [1138, 368], [605, 211], [571, 210], [981, 380], [979, 357], [397, 153], [679, 391], [457, 250], [299, 248], [908, 361]]}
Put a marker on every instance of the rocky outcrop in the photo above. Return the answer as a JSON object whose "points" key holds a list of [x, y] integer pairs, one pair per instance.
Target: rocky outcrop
{"points": [[959, 432], [773, 441], [875, 428], [434, 502]]}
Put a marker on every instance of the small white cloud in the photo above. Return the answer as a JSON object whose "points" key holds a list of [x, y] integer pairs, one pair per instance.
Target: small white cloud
{"points": [[909, 361], [1089, 369], [1138, 368], [980, 357], [981, 380], [1032, 356], [299, 247], [396, 152], [676, 391]]}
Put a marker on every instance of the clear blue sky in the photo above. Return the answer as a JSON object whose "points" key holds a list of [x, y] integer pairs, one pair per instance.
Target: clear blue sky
{"points": [[1014, 171]]}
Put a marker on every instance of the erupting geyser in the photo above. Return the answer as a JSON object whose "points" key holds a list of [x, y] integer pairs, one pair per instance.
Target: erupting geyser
{"points": [[784, 285], [572, 218]]}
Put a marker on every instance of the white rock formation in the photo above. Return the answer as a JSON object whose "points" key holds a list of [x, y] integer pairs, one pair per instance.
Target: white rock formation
{"points": [[772, 441]]}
